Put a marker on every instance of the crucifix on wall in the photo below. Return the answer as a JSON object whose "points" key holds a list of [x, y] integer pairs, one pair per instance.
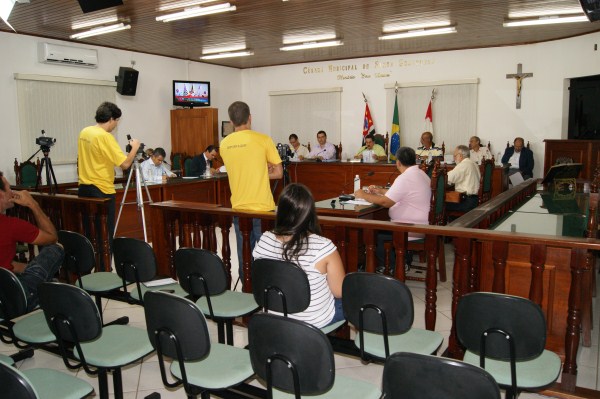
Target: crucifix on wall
{"points": [[519, 76]]}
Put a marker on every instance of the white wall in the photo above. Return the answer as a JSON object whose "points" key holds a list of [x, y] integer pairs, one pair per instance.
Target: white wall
{"points": [[498, 120], [145, 115]]}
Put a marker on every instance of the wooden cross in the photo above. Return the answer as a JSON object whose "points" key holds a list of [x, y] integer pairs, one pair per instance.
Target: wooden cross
{"points": [[519, 76]]}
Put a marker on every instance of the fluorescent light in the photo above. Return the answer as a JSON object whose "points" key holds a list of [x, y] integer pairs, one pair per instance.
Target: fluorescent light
{"points": [[401, 27], [100, 31], [309, 45], [227, 55], [94, 22], [418, 32], [6, 7], [183, 4], [545, 20], [196, 12]]}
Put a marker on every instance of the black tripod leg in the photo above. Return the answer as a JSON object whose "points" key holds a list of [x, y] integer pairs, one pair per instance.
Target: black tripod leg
{"points": [[49, 165], [39, 175]]}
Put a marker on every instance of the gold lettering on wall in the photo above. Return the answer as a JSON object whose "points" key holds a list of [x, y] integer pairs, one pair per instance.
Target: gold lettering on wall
{"points": [[385, 69]]}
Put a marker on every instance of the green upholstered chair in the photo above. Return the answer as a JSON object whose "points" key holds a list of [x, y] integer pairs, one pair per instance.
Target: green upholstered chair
{"points": [[178, 330], [6, 360], [41, 384], [186, 166], [409, 376], [296, 360], [135, 263], [381, 308], [80, 260], [26, 173], [75, 321], [506, 335], [176, 162], [202, 274], [283, 287]]}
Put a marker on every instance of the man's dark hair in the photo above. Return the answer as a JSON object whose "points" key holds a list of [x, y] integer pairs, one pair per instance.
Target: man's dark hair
{"points": [[239, 113], [519, 139], [293, 136], [210, 148], [159, 152], [370, 136], [406, 156], [322, 131], [106, 111]]}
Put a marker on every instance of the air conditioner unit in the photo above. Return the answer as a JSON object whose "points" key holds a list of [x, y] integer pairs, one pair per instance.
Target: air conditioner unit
{"points": [[56, 54]]}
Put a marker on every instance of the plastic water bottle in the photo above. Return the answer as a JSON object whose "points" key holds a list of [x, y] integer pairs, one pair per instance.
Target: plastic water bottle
{"points": [[356, 183], [499, 158]]}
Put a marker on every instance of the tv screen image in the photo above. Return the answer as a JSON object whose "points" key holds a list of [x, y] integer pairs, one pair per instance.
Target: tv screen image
{"points": [[191, 93]]}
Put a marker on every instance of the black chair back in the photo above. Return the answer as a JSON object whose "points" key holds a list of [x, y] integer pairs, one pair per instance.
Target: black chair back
{"points": [[409, 376], [134, 259], [290, 355], [195, 265], [80, 258], [280, 286], [179, 324], [70, 312], [14, 384], [522, 319], [13, 302], [377, 293]]}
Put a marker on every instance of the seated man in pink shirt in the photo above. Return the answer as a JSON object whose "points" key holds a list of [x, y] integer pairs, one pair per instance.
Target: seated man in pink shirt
{"points": [[408, 200]]}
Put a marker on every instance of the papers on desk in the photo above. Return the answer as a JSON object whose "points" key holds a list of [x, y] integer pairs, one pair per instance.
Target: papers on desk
{"points": [[356, 202]]}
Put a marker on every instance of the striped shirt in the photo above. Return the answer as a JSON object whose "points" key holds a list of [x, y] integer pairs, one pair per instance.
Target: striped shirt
{"points": [[321, 309]]}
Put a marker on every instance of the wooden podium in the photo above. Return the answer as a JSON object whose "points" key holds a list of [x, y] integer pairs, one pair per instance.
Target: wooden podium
{"points": [[192, 130], [586, 152]]}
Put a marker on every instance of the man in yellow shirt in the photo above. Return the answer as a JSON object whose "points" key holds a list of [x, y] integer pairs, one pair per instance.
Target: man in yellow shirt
{"points": [[371, 152], [251, 160], [98, 154]]}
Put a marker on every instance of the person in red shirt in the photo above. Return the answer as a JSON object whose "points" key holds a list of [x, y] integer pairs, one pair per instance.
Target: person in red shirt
{"points": [[13, 230]]}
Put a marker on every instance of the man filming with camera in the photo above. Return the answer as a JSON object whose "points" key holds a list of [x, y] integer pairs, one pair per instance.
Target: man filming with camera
{"points": [[98, 154]]}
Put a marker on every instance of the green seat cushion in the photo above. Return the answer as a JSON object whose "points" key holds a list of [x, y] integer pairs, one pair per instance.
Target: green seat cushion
{"points": [[100, 282], [176, 288], [7, 360], [536, 373], [229, 304], [53, 384], [332, 327], [33, 329], [343, 387], [117, 346], [415, 340], [225, 366]]}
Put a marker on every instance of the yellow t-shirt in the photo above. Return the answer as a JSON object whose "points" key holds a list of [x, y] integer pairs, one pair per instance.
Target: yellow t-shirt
{"points": [[99, 153], [246, 154]]}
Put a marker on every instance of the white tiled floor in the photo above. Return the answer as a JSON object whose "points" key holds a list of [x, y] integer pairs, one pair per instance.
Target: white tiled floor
{"points": [[143, 377]]}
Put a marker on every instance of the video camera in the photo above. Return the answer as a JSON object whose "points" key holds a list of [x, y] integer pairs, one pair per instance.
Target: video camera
{"points": [[128, 146], [284, 152], [44, 141]]}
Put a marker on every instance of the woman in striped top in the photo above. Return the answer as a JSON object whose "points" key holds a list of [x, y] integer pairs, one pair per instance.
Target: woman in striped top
{"points": [[296, 238]]}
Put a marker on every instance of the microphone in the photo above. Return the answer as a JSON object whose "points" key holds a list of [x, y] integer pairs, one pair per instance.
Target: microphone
{"points": [[317, 154], [389, 180], [348, 197]]}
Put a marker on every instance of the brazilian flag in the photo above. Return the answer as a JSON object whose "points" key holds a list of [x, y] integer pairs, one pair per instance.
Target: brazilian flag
{"points": [[395, 139]]}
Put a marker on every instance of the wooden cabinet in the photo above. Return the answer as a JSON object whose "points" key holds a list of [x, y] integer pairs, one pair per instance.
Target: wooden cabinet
{"points": [[586, 152], [192, 130]]}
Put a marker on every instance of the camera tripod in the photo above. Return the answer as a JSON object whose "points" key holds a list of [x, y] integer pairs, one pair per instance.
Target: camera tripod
{"points": [[139, 180], [285, 178], [47, 166]]}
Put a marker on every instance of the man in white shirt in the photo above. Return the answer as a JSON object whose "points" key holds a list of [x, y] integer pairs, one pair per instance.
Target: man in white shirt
{"points": [[154, 169], [299, 151], [324, 151], [478, 152], [465, 176]]}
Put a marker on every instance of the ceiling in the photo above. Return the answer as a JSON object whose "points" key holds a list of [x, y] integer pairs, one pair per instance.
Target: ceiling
{"points": [[262, 25]]}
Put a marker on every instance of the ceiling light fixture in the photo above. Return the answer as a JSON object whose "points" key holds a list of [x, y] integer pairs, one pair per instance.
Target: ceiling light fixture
{"points": [[100, 31], [309, 45], [418, 32], [183, 4], [196, 12], [545, 20], [94, 22], [229, 54]]}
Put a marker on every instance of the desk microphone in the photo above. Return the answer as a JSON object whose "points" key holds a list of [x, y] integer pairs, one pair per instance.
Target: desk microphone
{"points": [[349, 197], [389, 180], [317, 154]]}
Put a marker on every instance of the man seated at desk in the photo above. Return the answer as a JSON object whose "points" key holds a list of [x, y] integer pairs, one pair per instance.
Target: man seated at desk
{"points": [[324, 151], [478, 152], [203, 162], [465, 176], [408, 200], [299, 151], [428, 148], [154, 169], [520, 159], [371, 152]]}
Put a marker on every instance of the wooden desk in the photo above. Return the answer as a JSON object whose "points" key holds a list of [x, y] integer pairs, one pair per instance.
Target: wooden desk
{"points": [[586, 152]]}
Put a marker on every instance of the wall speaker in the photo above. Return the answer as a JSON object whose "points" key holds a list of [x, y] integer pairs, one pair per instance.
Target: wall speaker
{"points": [[591, 8], [96, 5], [127, 81]]}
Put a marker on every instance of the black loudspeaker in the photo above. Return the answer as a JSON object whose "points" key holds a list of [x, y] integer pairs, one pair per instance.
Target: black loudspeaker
{"points": [[95, 5], [591, 8], [127, 81]]}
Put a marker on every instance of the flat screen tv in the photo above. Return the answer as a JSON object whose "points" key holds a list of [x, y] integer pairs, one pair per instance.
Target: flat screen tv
{"points": [[187, 93]]}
